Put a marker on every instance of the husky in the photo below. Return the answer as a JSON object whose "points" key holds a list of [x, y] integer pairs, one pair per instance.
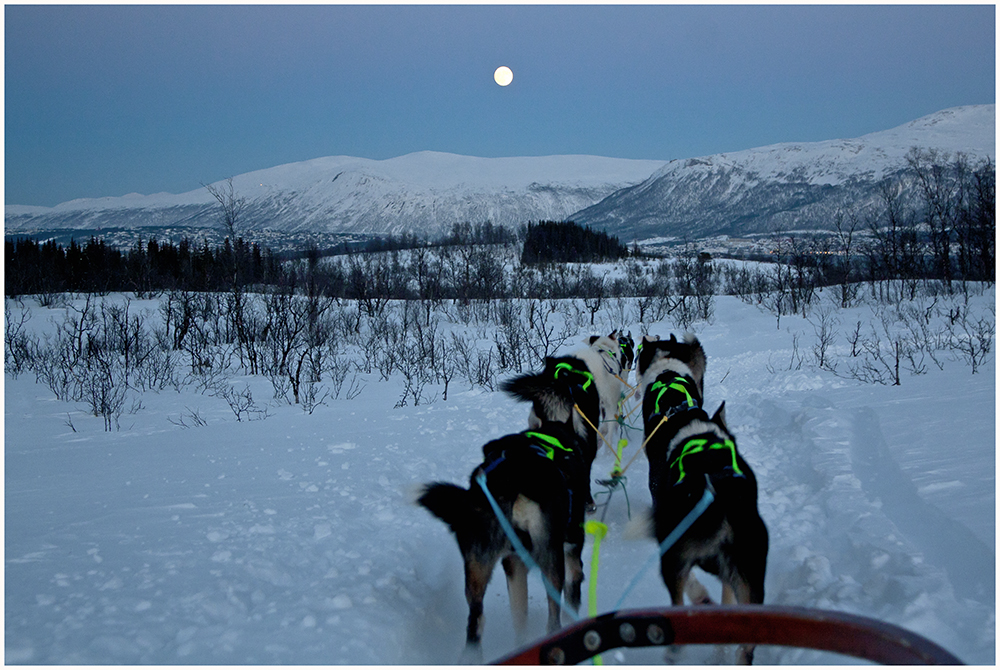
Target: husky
{"points": [[539, 481], [589, 378], [689, 452], [627, 345], [671, 377]]}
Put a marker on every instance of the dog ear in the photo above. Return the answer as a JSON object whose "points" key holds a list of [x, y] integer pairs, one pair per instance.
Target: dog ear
{"points": [[592, 339], [614, 335], [719, 418], [673, 339]]}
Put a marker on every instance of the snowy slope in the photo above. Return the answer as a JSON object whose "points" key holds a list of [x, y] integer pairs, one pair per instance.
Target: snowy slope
{"points": [[425, 192], [781, 186], [290, 540], [784, 186]]}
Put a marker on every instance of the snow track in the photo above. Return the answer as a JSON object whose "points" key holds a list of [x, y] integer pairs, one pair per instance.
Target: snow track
{"points": [[292, 541]]}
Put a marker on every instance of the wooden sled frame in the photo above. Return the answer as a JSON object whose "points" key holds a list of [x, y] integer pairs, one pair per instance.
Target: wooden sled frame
{"points": [[849, 634]]}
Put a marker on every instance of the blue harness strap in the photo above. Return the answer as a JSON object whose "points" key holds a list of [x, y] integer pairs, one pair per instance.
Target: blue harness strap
{"points": [[706, 499], [516, 543]]}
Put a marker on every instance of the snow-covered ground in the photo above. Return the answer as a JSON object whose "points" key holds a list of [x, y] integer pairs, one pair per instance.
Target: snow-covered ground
{"points": [[291, 540]]}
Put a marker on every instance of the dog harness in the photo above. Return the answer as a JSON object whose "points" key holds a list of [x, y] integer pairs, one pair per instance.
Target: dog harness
{"points": [[701, 445], [681, 386], [545, 446], [568, 368], [542, 444], [548, 443]]}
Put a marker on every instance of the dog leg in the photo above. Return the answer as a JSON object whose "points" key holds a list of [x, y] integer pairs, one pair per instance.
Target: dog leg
{"points": [[574, 569], [728, 595], [553, 567], [744, 595], [696, 592], [517, 591], [675, 576], [477, 577]]}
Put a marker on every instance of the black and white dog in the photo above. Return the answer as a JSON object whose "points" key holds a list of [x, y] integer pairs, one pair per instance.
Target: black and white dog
{"points": [[589, 378], [627, 345], [539, 480], [687, 452]]}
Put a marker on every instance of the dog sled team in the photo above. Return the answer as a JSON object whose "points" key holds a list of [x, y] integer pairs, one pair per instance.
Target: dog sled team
{"points": [[526, 502]]}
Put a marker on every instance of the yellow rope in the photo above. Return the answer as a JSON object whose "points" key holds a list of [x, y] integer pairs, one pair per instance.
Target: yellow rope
{"points": [[644, 442], [598, 530], [593, 427]]}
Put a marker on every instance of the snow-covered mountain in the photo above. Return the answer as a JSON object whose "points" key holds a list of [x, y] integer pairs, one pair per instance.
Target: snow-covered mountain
{"points": [[783, 186], [423, 192]]}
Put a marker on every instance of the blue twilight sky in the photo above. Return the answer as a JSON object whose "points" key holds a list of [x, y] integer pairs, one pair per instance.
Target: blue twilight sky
{"points": [[108, 100]]}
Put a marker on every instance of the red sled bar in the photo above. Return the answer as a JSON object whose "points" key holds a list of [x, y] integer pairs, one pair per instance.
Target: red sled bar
{"points": [[802, 627]]}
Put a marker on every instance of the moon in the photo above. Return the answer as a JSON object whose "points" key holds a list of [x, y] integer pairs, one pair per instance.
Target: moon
{"points": [[503, 75]]}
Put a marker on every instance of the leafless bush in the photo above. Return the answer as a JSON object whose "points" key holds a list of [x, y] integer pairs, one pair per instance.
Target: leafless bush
{"points": [[510, 337], [313, 395], [882, 353], [20, 346], [547, 332], [102, 387], [193, 416], [240, 401], [53, 365], [972, 339], [824, 325]]}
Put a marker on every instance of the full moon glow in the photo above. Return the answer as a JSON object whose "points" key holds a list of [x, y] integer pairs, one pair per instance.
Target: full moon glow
{"points": [[503, 75]]}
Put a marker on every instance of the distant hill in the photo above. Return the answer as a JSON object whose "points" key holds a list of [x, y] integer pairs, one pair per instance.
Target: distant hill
{"points": [[784, 186], [424, 193]]}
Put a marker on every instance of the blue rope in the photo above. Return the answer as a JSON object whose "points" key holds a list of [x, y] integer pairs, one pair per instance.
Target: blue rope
{"points": [[518, 547], [670, 539]]}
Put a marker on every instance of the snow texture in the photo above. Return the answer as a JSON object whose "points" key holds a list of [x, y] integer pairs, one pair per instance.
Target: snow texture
{"points": [[292, 540]]}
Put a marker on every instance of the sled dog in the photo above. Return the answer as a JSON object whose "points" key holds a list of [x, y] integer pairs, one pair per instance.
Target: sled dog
{"points": [[671, 377], [589, 378], [539, 481], [687, 452], [627, 345]]}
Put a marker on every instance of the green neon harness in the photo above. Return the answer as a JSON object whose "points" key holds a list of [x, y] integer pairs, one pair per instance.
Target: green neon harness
{"points": [[697, 445], [567, 367], [548, 443], [679, 384]]}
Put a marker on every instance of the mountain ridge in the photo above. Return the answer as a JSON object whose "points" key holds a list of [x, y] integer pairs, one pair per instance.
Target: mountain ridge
{"points": [[786, 185], [426, 192]]}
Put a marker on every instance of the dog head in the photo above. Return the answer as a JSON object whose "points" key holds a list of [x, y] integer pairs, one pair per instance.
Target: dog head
{"points": [[688, 352], [627, 345], [610, 350]]}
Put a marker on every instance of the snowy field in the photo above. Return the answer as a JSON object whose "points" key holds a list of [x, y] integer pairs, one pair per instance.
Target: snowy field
{"points": [[290, 540]]}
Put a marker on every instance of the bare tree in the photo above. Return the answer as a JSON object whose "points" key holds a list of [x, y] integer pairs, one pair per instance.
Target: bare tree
{"points": [[233, 206]]}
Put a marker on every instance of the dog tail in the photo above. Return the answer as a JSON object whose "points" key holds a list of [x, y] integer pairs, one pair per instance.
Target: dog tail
{"points": [[529, 387], [450, 503], [640, 527]]}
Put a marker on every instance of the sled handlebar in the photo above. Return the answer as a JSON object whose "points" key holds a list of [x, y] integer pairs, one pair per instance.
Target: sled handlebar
{"points": [[802, 627]]}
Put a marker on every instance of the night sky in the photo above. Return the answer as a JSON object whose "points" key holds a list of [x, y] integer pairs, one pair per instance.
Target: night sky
{"points": [[109, 100]]}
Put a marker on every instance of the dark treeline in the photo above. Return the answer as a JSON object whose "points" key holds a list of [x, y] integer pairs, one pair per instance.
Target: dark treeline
{"points": [[567, 242], [96, 267], [461, 233]]}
